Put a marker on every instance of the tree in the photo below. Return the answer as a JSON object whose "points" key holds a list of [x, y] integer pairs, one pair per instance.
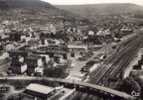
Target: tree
{"points": [[129, 85]]}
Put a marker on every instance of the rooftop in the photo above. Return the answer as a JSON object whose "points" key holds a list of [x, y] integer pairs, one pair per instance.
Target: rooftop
{"points": [[40, 88]]}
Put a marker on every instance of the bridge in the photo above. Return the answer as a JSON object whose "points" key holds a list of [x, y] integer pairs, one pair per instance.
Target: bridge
{"points": [[87, 87]]}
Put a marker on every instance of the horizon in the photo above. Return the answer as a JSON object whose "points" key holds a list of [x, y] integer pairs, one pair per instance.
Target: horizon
{"points": [[90, 2]]}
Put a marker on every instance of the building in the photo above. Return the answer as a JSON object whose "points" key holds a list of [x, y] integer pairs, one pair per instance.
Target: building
{"points": [[18, 65], [38, 92], [77, 50], [4, 38], [52, 50], [16, 53], [126, 30], [23, 62], [35, 91], [14, 36], [32, 62]]}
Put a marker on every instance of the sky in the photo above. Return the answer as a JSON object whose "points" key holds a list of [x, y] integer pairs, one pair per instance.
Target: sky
{"points": [[76, 2]]}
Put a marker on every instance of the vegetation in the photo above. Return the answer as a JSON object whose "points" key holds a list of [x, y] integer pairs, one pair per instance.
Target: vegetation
{"points": [[93, 11], [129, 85]]}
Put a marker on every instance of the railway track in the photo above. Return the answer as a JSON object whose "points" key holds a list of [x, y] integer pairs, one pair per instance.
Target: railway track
{"points": [[118, 62]]}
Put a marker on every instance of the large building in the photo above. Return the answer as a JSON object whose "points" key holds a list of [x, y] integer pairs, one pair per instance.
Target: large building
{"points": [[38, 92], [53, 50]]}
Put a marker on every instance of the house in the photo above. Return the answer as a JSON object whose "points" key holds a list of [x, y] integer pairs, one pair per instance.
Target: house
{"points": [[126, 29], [18, 65], [91, 33], [77, 50], [4, 38], [14, 36], [39, 71], [18, 68], [32, 62]]}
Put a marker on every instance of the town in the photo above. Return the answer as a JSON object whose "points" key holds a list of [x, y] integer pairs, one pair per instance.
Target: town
{"points": [[71, 59]]}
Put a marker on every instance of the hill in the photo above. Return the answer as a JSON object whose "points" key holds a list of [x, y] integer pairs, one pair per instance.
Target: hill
{"points": [[31, 10], [103, 9], [24, 4]]}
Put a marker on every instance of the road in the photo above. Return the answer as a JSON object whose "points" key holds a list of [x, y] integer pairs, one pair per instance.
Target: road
{"points": [[75, 73], [114, 65]]}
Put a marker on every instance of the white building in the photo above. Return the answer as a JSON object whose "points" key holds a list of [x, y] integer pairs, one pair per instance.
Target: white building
{"points": [[91, 33]]}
